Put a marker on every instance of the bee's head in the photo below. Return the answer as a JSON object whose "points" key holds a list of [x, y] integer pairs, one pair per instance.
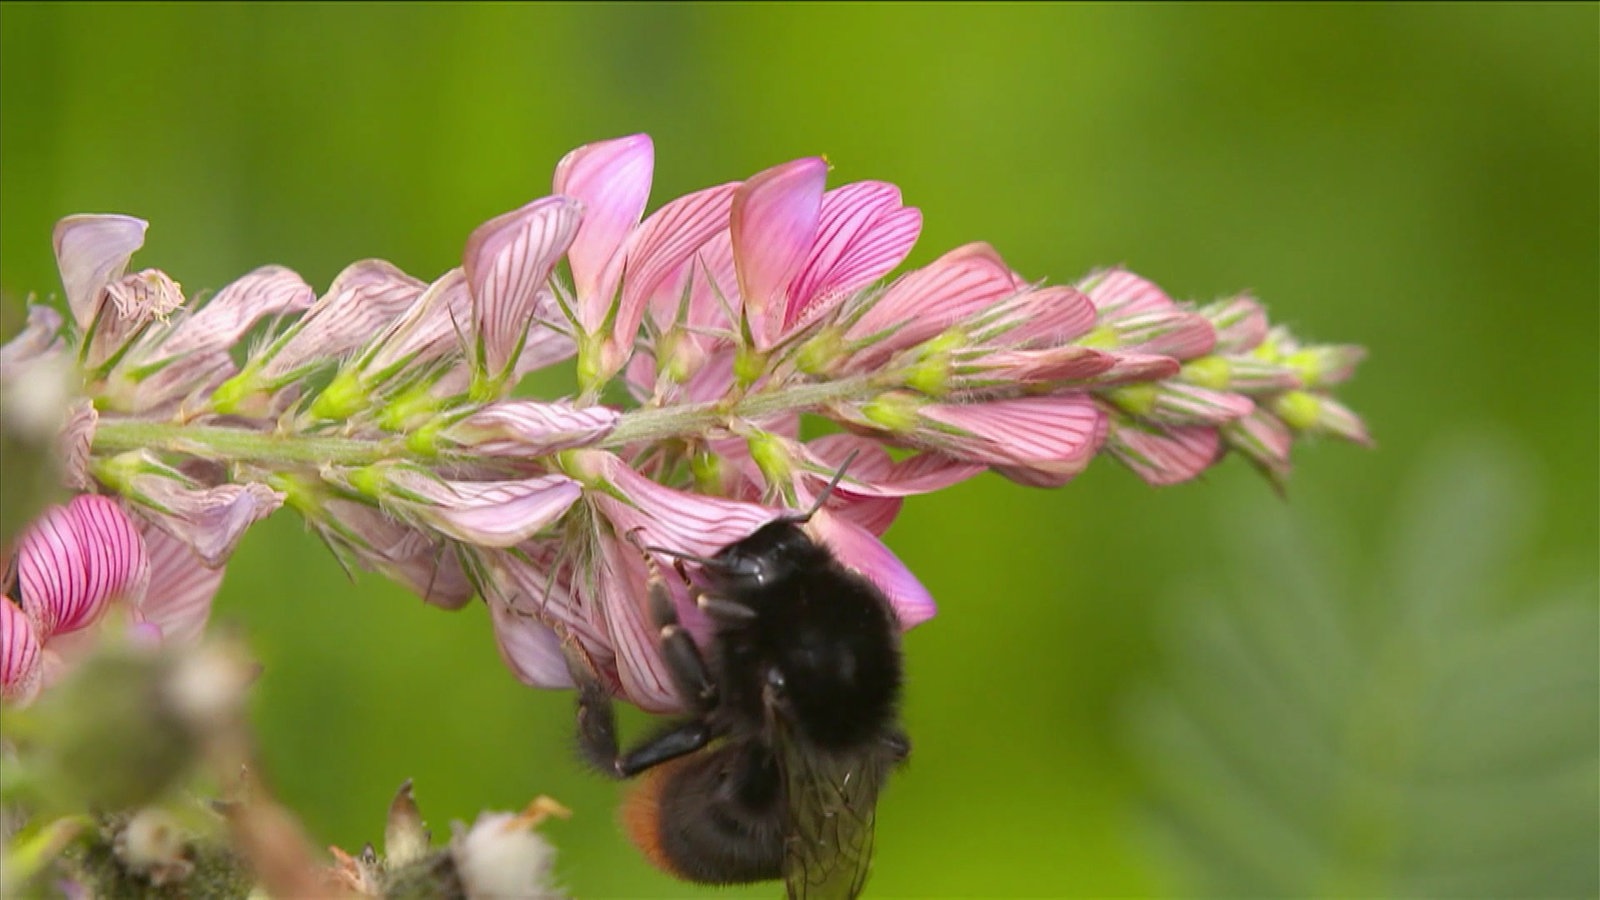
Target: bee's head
{"points": [[774, 552]]}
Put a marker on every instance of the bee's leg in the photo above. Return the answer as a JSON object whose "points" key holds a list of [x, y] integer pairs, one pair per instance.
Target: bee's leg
{"points": [[899, 744], [675, 741], [597, 723], [684, 662]]}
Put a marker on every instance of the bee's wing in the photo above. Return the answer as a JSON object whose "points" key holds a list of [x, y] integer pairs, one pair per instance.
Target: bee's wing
{"points": [[832, 808]]}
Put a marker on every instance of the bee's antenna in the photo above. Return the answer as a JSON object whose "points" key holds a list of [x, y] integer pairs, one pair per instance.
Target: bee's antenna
{"points": [[822, 498], [679, 554]]}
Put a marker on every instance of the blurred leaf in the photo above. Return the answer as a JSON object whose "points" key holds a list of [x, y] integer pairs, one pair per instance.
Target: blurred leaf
{"points": [[1435, 737]]}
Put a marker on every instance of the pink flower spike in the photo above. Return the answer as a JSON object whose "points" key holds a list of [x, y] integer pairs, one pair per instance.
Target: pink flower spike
{"points": [[21, 659], [92, 251], [486, 513], [529, 648], [527, 428], [1120, 294], [74, 559], [182, 586], [209, 520], [859, 551], [773, 223], [863, 233], [612, 180], [508, 260], [362, 300], [1164, 456]]}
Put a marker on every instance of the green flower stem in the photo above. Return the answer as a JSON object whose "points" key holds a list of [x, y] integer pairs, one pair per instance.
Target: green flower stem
{"points": [[273, 448]]}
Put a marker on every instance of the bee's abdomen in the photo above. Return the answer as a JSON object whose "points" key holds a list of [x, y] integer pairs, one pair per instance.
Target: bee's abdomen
{"points": [[714, 818]]}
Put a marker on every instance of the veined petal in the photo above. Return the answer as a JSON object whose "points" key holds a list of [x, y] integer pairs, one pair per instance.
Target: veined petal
{"points": [[1265, 440], [859, 551], [363, 299], [525, 428], [1163, 456], [1136, 368], [1175, 333], [612, 180], [182, 586], [1241, 323], [21, 658], [421, 563], [1060, 429], [437, 321], [508, 260], [92, 251], [222, 322], [624, 600], [1051, 365], [530, 583], [76, 441], [529, 648], [488, 513], [210, 520], [872, 473], [74, 559], [925, 302], [1040, 318], [1179, 404], [863, 233], [1118, 294], [773, 223], [664, 517]]}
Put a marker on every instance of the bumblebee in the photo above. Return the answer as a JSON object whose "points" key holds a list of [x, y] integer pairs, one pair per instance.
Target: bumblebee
{"points": [[793, 722]]}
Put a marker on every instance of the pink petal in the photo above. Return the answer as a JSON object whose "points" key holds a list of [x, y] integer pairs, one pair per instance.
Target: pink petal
{"points": [[1118, 294], [21, 659], [773, 224], [1264, 439], [1136, 368], [873, 473], [1057, 429], [222, 322], [1181, 335], [1241, 324], [664, 517], [859, 551], [612, 180], [1053, 366], [488, 513], [508, 260], [39, 336], [92, 251], [422, 564], [74, 559], [624, 600], [363, 299], [863, 233], [1045, 317], [182, 586], [209, 520], [529, 648], [76, 441], [436, 322], [658, 253], [1163, 456], [925, 302], [529, 583], [527, 428], [1180, 404]]}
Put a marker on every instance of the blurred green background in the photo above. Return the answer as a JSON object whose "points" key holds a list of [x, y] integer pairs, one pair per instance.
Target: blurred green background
{"points": [[1421, 179]]}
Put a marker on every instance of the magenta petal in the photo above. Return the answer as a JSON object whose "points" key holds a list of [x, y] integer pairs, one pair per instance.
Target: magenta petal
{"points": [[612, 180], [1051, 316], [508, 260], [859, 551], [182, 587], [773, 223], [489, 513], [529, 648], [74, 559], [1118, 294], [925, 302], [526, 428], [863, 233], [1164, 456], [223, 321], [362, 300], [92, 251], [21, 659], [1059, 429]]}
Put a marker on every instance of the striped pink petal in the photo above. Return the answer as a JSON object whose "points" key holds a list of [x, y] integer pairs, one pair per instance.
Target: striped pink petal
{"points": [[487, 513], [222, 322], [773, 224], [925, 302], [1055, 429], [74, 559], [528, 647], [21, 659], [1264, 439], [435, 323], [624, 593], [210, 520], [1163, 456], [1135, 368], [1241, 323], [1179, 404], [863, 233], [182, 586], [612, 180], [1118, 294], [508, 260], [362, 300], [92, 251], [660, 516], [859, 551], [421, 563], [1175, 333], [526, 428]]}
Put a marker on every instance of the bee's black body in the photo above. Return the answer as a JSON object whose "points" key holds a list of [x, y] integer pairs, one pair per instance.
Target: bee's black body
{"points": [[794, 727]]}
